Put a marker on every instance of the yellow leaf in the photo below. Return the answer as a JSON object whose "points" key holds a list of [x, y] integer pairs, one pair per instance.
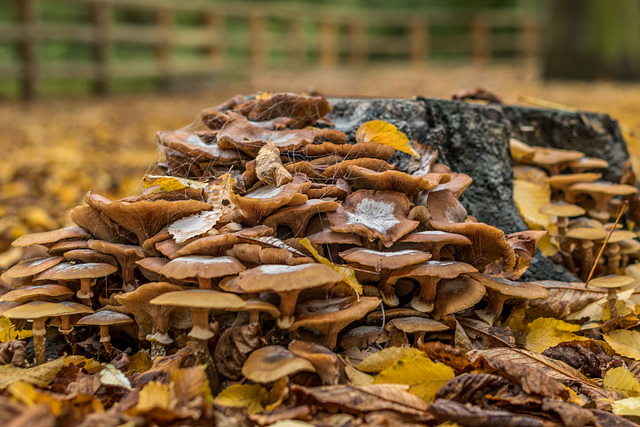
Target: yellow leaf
{"points": [[386, 357], [520, 151], [348, 274], [423, 375], [153, 395], [385, 133], [629, 407], [547, 332], [114, 377], [625, 342], [30, 396], [250, 396], [139, 363], [622, 380], [189, 384], [356, 377], [40, 375], [171, 183], [8, 333], [90, 365], [529, 198]]}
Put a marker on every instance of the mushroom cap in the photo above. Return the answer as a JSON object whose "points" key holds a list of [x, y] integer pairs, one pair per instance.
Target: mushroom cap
{"points": [[385, 260], [5, 305], [119, 251], [412, 325], [101, 226], [105, 318], [566, 210], [602, 187], [629, 246], [270, 363], [37, 292], [194, 148], [436, 236], [283, 278], [586, 233], [318, 314], [620, 235], [302, 213], [58, 249], [553, 156], [457, 294], [349, 151], [37, 310], [255, 304], [89, 255], [341, 169], [32, 267], [200, 298], [327, 364], [151, 267], [67, 271], [511, 288], [77, 307], [587, 163], [265, 200], [47, 238], [374, 214], [560, 182], [442, 269], [201, 266], [392, 180], [303, 109], [611, 281], [330, 236]]}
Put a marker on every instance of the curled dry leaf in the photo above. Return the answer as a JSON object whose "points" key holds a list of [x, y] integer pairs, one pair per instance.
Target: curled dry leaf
{"points": [[233, 348], [194, 225], [269, 168], [468, 415], [14, 352], [626, 343], [251, 396], [40, 375], [622, 380], [486, 335], [547, 332], [587, 356]]}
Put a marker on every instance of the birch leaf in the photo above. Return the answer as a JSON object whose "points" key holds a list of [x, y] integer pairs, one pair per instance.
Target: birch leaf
{"points": [[171, 183], [348, 274], [40, 375], [250, 396], [385, 133], [625, 342], [622, 380], [8, 332], [386, 357], [547, 332]]}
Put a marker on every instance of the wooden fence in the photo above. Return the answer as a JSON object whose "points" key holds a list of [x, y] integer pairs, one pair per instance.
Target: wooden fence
{"points": [[265, 34]]}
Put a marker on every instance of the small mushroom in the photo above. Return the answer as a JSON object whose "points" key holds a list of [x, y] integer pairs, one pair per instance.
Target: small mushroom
{"points": [[104, 319], [328, 366], [202, 268], [428, 274], [126, 255], [587, 163], [562, 212], [602, 192], [584, 237], [297, 217], [254, 306], [554, 159], [86, 273], [32, 267], [500, 290], [561, 183], [385, 263], [58, 249], [35, 293], [38, 312], [612, 249], [418, 326], [272, 363], [48, 238], [434, 240], [330, 316], [611, 283], [362, 341], [456, 295], [65, 319], [88, 256]]}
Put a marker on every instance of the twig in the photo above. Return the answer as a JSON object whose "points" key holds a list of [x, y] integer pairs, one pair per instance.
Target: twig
{"points": [[595, 263]]}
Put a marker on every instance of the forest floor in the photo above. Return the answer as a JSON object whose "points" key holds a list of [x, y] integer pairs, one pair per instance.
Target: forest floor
{"points": [[55, 150]]}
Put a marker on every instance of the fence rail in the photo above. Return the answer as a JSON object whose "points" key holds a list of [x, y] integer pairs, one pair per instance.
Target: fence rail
{"points": [[305, 36]]}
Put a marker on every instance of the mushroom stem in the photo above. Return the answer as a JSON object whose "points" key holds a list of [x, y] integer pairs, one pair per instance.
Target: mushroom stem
{"points": [[613, 258], [494, 307], [157, 350], [425, 297], [254, 316], [85, 292], [586, 258], [204, 357], [612, 298], [204, 283], [562, 223], [288, 302], [105, 339], [200, 328], [387, 290], [128, 276], [38, 340]]}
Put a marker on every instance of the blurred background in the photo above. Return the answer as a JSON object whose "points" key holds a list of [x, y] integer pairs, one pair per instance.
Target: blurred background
{"points": [[85, 84]]}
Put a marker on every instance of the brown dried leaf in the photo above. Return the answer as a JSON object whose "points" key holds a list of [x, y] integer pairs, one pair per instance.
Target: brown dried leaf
{"points": [[478, 388], [587, 356], [40, 375], [269, 168], [487, 335], [473, 416], [446, 354], [233, 348], [564, 298], [14, 352]]}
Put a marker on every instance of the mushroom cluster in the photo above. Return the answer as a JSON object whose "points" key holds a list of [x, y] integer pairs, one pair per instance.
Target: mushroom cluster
{"points": [[582, 209], [268, 217]]}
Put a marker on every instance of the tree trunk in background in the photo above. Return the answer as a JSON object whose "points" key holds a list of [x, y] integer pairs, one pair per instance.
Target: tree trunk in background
{"points": [[587, 39]]}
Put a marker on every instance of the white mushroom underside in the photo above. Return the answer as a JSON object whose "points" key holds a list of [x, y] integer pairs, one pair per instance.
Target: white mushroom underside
{"points": [[265, 192], [374, 214]]}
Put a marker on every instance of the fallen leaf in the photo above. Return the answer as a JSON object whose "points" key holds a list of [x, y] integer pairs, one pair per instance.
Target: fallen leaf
{"points": [[194, 225], [622, 380], [9, 333], [529, 197], [386, 357], [545, 332], [423, 375], [153, 395], [234, 346], [625, 342], [348, 274], [250, 396], [269, 168], [385, 133], [564, 298], [90, 365], [114, 377], [629, 407], [587, 356], [469, 415], [40, 375], [171, 183], [489, 336]]}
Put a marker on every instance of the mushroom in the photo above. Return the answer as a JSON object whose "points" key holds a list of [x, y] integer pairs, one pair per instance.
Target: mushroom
{"points": [[374, 215], [34, 293], [86, 273], [612, 249], [193, 147], [562, 211], [101, 226], [500, 290], [584, 237], [126, 255], [218, 244], [287, 281], [38, 312], [304, 110], [456, 295], [587, 163], [362, 341], [611, 283], [274, 363], [104, 319], [254, 306], [349, 151], [32, 267], [392, 180], [88, 255], [150, 268], [297, 217], [328, 366], [554, 159], [58, 249], [428, 274], [601, 193], [384, 263], [628, 248], [330, 316], [434, 240], [561, 183], [202, 268], [154, 321], [48, 238], [418, 326], [341, 169]]}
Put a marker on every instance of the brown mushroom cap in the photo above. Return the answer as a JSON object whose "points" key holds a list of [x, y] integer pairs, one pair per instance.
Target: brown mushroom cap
{"points": [[283, 278], [58, 249], [411, 325], [257, 305], [202, 267], [194, 148], [330, 236], [349, 151], [302, 109], [270, 363], [101, 226], [586, 233], [66, 271], [47, 238], [200, 298], [105, 318], [611, 281], [37, 310], [620, 235], [629, 247], [510, 288], [566, 210], [89, 255], [330, 316], [456, 295], [297, 217], [561, 182], [587, 163], [32, 267], [341, 169], [329, 367], [31, 293], [392, 260], [441, 269], [374, 214], [391, 180], [436, 236], [553, 156]]}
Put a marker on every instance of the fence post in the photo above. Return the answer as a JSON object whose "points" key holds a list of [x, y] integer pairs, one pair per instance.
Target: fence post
{"points": [[530, 39], [357, 44], [101, 18], [295, 38], [258, 31], [215, 50], [480, 48], [328, 43], [419, 42], [164, 22], [28, 49]]}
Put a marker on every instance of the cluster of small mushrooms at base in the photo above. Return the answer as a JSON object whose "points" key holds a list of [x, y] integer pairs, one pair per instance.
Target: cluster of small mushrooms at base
{"points": [[593, 236], [282, 251]]}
